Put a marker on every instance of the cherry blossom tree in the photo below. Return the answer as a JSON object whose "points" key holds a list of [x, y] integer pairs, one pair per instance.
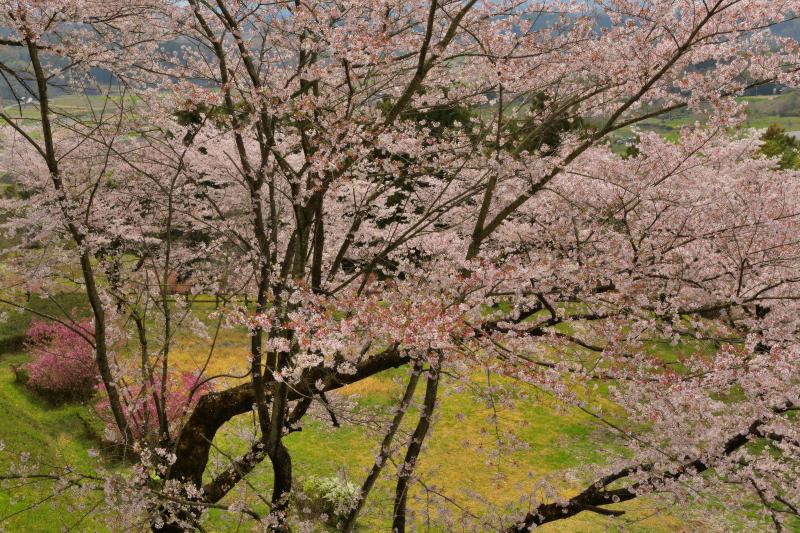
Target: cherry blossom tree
{"points": [[367, 185]]}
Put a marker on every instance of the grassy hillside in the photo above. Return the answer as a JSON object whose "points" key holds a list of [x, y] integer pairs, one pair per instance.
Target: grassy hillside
{"points": [[458, 452], [762, 111], [457, 458], [52, 436]]}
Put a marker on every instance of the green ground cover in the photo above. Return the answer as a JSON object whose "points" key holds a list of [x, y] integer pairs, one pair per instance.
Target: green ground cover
{"points": [[53, 436], [457, 455]]}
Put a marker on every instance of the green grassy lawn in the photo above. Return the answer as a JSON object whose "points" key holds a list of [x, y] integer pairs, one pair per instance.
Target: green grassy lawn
{"points": [[53, 436], [670, 127], [456, 462]]}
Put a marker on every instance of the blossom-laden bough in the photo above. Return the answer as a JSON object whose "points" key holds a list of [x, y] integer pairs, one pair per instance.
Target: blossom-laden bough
{"points": [[372, 185]]}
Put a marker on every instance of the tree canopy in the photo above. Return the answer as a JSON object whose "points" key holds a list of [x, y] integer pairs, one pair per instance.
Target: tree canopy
{"points": [[428, 185]]}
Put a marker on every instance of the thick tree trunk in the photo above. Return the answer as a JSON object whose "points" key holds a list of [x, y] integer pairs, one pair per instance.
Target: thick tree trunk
{"points": [[216, 408], [281, 488]]}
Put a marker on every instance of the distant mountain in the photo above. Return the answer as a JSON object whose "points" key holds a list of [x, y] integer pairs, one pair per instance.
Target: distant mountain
{"points": [[16, 58], [790, 28]]}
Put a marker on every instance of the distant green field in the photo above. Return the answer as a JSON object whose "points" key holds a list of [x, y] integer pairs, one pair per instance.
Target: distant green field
{"points": [[762, 111], [790, 124], [74, 106]]}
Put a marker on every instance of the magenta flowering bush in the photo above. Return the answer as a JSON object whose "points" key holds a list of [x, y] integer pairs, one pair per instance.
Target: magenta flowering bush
{"points": [[63, 366], [142, 405]]}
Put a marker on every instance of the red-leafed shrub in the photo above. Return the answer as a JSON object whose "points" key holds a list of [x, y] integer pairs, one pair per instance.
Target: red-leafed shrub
{"points": [[63, 366], [141, 409]]}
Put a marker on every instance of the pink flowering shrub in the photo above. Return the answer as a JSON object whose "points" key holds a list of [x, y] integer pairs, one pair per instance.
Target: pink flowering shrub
{"points": [[63, 366], [141, 406]]}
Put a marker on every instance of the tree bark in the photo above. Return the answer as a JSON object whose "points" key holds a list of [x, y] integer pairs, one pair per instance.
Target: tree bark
{"points": [[281, 488], [216, 408], [414, 448], [383, 456], [92, 292]]}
